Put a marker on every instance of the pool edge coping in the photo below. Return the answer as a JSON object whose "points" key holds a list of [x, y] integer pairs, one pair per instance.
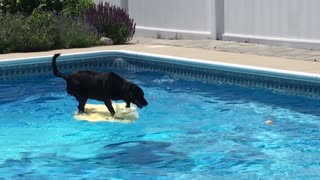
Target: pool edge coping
{"points": [[212, 64]]}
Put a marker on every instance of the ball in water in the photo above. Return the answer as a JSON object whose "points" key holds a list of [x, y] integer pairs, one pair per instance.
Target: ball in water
{"points": [[269, 122]]}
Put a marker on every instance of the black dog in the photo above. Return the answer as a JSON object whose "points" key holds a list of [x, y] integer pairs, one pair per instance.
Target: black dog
{"points": [[84, 85]]}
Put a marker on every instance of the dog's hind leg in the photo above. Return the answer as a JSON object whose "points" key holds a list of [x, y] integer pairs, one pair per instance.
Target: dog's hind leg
{"points": [[108, 103], [82, 102]]}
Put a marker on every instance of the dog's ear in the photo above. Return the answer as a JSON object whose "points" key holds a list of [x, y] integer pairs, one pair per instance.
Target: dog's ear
{"points": [[136, 89], [128, 90], [132, 91]]}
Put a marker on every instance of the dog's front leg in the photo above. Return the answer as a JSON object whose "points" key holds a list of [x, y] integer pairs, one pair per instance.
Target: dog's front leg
{"points": [[108, 103], [127, 104], [82, 103]]}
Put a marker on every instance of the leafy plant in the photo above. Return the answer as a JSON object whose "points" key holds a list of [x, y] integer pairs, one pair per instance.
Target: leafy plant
{"points": [[28, 6], [20, 33], [39, 32], [44, 31], [8, 6], [75, 33], [76, 8], [111, 21], [67, 7], [12, 32]]}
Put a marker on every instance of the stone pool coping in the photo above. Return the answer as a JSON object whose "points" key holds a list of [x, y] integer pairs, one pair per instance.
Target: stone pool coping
{"points": [[230, 68], [194, 53]]}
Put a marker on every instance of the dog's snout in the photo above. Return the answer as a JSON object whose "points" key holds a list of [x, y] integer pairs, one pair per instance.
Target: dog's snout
{"points": [[141, 103], [144, 102]]}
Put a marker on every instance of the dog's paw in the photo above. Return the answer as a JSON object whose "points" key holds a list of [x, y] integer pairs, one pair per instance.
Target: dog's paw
{"points": [[118, 118], [82, 112]]}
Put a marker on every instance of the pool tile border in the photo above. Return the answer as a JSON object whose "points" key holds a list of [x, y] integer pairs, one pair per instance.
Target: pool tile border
{"points": [[297, 83]]}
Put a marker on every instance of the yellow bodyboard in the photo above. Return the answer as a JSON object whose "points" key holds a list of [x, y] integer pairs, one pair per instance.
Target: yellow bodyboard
{"points": [[100, 113]]}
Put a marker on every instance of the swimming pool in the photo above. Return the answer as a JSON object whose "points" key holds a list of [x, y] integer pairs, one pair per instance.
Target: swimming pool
{"points": [[200, 124]]}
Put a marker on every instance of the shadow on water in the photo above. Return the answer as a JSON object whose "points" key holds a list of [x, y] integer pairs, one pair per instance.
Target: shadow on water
{"points": [[146, 153], [134, 155]]}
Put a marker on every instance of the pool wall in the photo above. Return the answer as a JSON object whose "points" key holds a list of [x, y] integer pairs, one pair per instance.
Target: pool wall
{"points": [[297, 83]]}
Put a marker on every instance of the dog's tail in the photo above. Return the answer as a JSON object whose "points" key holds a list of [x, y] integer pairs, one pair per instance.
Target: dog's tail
{"points": [[55, 70]]}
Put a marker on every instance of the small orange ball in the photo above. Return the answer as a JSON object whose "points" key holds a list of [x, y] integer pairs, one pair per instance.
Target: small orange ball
{"points": [[269, 122]]}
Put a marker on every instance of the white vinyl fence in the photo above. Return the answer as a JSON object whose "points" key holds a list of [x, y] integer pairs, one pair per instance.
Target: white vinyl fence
{"points": [[292, 23]]}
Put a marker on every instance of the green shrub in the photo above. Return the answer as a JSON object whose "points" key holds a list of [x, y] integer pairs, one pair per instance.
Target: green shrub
{"points": [[28, 6], [76, 8], [19, 33], [67, 7], [12, 30], [75, 33], [39, 32], [44, 31], [112, 22]]}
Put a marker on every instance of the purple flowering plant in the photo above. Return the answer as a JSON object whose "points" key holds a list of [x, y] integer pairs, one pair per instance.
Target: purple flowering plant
{"points": [[111, 21]]}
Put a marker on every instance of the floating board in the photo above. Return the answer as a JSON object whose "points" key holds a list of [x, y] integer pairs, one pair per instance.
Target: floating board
{"points": [[100, 113]]}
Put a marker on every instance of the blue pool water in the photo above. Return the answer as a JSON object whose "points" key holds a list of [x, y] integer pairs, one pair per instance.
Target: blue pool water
{"points": [[190, 130]]}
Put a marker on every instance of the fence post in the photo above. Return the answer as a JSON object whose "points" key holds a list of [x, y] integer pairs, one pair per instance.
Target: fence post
{"points": [[125, 5], [217, 19], [220, 18]]}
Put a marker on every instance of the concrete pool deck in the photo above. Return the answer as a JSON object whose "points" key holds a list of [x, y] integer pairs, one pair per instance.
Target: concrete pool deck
{"points": [[221, 51]]}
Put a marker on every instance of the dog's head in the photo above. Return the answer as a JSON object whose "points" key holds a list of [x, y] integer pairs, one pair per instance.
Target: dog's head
{"points": [[137, 96]]}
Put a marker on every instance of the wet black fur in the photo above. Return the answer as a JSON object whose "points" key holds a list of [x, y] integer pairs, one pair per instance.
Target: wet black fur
{"points": [[101, 86]]}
